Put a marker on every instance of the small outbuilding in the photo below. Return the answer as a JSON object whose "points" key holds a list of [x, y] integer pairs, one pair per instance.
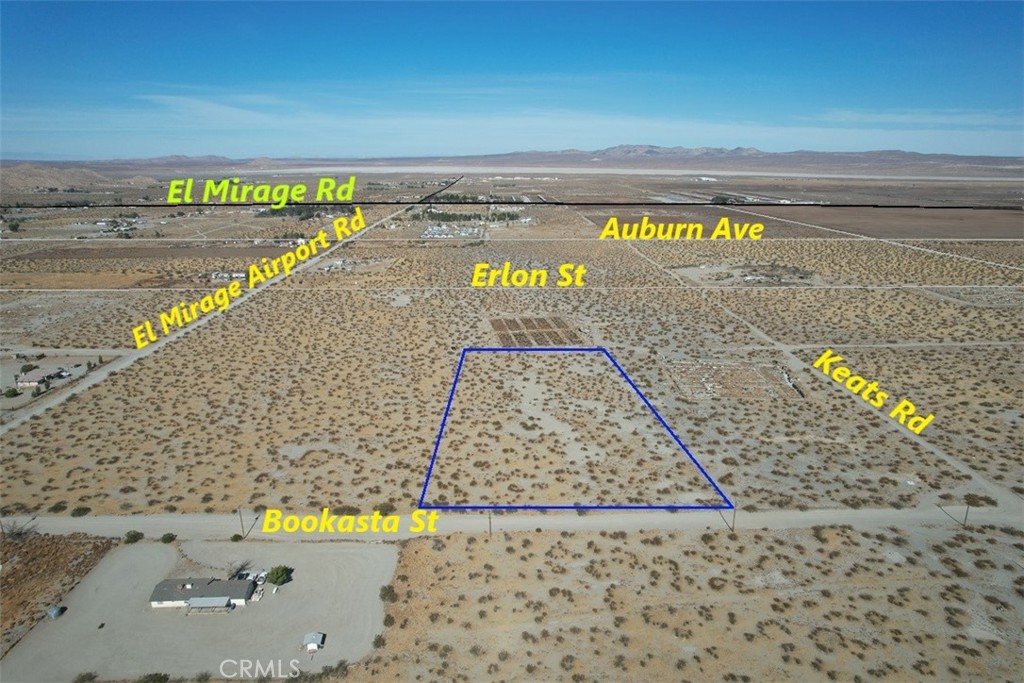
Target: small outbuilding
{"points": [[314, 641]]}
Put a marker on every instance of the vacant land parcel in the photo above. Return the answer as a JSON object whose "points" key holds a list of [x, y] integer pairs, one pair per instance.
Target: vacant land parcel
{"points": [[558, 429]]}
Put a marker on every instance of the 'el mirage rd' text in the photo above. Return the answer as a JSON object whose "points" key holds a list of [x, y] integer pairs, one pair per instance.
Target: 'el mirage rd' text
{"points": [[233, 191]]}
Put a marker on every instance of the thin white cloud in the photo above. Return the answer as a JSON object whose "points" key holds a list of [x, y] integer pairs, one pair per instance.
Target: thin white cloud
{"points": [[200, 111], [920, 117]]}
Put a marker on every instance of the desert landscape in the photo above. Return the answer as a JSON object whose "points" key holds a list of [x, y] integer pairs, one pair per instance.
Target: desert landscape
{"points": [[326, 389], [512, 342], [752, 605]]}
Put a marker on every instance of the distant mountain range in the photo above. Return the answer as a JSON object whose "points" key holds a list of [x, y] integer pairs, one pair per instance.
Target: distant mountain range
{"points": [[651, 151]]}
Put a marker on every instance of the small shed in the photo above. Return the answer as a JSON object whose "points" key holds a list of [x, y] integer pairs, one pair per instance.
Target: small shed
{"points": [[313, 641]]}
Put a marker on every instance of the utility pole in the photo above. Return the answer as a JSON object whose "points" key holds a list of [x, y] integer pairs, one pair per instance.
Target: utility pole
{"points": [[732, 527], [489, 531], [965, 514], [241, 524]]}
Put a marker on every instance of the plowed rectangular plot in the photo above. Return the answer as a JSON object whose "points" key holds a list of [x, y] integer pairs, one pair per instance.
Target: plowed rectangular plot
{"points": [[535, 332], [545, 429], [703, 381]]}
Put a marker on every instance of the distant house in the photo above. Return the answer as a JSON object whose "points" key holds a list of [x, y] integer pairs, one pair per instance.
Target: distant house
{"points": [[34, 378], [313, 641], [202, 593]]}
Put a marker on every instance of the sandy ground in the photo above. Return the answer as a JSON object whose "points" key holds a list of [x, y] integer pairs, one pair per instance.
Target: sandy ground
{"points": [[38, 571], [540, 428], [907, 223], [821, 604], [334, 590], [328, 390], [281, 373]]}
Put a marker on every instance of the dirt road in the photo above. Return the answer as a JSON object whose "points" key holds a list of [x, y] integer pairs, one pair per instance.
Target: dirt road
{"points": [[126, 358], [222, 526], [1005, 497]]}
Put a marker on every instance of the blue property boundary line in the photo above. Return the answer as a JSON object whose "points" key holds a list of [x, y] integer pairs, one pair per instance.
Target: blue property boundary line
{"points": [[570, 349]]}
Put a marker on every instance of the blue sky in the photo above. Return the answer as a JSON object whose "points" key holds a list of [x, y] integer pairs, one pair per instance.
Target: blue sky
{"points": [[90, 80]]}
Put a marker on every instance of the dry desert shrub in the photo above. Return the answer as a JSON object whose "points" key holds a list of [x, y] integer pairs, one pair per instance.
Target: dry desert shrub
{"points": [[825, 602]]}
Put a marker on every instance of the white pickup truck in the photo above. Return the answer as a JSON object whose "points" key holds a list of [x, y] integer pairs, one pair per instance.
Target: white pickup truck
{"points": [[259, 577]]}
